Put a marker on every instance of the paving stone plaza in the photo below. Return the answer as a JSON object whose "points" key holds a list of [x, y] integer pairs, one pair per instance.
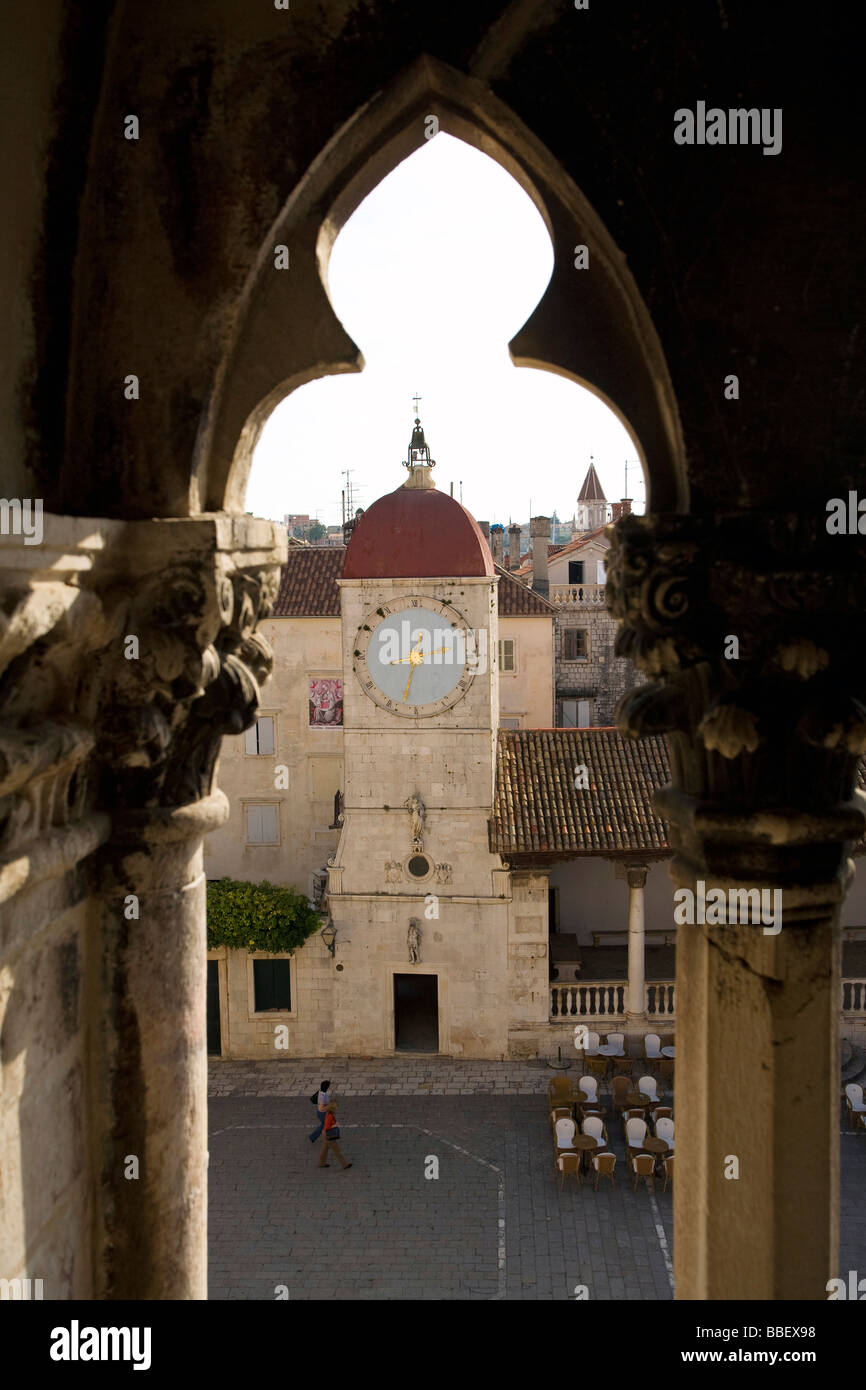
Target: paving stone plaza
{"points": [[493, 1224]]}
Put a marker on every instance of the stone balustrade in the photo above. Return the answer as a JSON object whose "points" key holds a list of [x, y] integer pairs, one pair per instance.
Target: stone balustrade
{"points": [[577, 595], [602, 999]]}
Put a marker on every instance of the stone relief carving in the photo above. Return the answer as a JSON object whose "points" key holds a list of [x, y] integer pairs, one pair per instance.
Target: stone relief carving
{"points": [[393, 871], [764, 733], [123, 662], [413, 939], [443, 873], [415, 806]]}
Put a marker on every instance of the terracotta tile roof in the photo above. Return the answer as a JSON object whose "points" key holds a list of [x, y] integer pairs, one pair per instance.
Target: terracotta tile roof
{"points": [[537, 809], [307, 587], [518, 600]]}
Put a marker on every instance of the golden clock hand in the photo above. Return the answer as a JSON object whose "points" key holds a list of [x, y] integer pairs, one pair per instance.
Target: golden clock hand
{"points": [[409, 682]]}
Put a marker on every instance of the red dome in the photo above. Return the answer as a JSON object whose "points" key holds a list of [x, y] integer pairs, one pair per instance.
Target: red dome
{"points": [[417, 533]]}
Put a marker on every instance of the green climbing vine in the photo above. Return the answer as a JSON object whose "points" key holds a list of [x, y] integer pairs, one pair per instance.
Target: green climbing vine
{"points": [[258, 916]]}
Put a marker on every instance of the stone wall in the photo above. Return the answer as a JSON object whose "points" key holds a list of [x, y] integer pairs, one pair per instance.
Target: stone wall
{"points": [[310, 1022], [604, 677]]}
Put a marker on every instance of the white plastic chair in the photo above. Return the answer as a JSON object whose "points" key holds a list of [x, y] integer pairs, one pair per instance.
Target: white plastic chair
{"points": [[591, 1049], [589, 1086], [565, 1133], [856, 1105], [594, 1127], [649, 1087], [652, 1045], [616, 1044], [635, 1132], [665, 1130]]}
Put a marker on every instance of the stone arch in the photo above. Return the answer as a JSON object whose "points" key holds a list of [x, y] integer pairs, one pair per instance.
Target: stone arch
{"points": [[592, 327]]}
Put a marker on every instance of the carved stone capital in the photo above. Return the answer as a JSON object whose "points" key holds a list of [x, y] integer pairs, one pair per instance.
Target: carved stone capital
{"points": [[752, 629], [126, 651]]}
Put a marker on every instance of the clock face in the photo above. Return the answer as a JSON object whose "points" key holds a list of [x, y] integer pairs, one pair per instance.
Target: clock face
{"points": [[415, 656]]}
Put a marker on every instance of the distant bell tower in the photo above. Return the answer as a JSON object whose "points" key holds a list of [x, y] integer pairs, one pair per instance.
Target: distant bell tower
{"points": [[592, 510]]}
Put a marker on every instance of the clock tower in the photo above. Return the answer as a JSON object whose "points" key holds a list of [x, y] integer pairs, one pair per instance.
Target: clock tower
{"points": [[416, 897]]}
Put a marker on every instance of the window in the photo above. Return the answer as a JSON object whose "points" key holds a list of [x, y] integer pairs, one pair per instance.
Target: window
{"points": [[507, 654], [576, 714], [575, 571], [419, 866], [509, 723], [272, 985], [259, 738], [263, 825], [574, 644]]}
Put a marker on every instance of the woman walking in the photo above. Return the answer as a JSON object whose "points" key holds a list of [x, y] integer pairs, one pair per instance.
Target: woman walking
{"points": [[330, 1138], [323, 1100]]}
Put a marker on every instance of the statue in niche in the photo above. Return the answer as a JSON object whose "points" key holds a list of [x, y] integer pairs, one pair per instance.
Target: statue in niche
{"points": [[415, 806], [413, 938]]}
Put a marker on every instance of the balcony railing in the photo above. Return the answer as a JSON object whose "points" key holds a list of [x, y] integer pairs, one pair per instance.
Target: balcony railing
{"points": [[599, 1000], [577, 595], [602, 999]]}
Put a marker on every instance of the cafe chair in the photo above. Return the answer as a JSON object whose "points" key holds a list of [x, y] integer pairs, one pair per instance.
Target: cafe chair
{"points": [[665, 1130], [661, 1112], [559, 1091], [616, 1044], [635, 1133], [564, 1129], [652, 1045], [569, 1163], [604, 1165], [559, 1112], [595, 1128], [643, 1166], [592, 1042], [855, 1103], [669, 1171], [648, 1086], [588, 1086], [620, 1087]]}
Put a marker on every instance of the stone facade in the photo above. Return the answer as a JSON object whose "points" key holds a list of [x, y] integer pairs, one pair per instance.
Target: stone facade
{"points": [[603, 677]]}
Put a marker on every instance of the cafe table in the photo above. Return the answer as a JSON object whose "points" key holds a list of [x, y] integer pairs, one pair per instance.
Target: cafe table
{"points": [[669, 1052], [586, 1144], [636, 1100]]}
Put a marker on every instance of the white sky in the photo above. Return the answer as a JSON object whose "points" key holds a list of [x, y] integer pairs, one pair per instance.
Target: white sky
{"points": [[432, 275]]}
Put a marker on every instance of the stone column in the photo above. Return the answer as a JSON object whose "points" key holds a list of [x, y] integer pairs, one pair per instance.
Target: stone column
{"points": [[131, 650], [751, 630], [635, 1000]]}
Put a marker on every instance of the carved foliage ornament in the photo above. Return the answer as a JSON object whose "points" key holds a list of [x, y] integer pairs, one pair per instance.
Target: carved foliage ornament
{"points": [[682, 586]]}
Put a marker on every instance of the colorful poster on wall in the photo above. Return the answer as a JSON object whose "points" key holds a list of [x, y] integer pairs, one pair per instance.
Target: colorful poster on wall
{"points": [[326, 703]]}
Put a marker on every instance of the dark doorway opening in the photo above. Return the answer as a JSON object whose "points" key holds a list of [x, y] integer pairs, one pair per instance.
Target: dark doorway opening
{"points": [[214, 1037], [416, 1013]]}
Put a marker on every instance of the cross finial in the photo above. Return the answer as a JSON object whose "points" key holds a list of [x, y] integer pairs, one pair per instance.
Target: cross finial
{"points": [[416, 398]]}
